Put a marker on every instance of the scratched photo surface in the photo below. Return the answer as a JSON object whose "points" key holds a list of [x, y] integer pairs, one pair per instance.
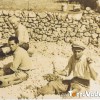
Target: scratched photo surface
{"points": [[55, 33]]}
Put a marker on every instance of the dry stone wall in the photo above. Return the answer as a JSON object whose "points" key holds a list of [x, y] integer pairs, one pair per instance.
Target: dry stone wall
{"points": [[53, 27]]}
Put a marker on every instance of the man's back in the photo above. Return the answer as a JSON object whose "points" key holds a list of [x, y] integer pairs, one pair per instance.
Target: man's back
{"points": [[21, 60], [22, 34]]}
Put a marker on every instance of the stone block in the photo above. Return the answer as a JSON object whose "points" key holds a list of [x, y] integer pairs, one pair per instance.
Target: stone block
{"points": [[42, 15], [32, 14]]}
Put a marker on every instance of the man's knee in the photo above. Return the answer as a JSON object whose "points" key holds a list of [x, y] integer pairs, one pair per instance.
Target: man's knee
{"points": [[46, 90]]}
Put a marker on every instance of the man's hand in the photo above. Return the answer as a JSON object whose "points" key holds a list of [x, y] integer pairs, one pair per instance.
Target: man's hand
{"points": [[63, 72], [56, 72], [89, 60]]}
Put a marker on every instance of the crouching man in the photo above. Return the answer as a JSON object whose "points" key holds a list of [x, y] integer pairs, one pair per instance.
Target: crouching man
{"points": [[17, 72], [82, 70]]}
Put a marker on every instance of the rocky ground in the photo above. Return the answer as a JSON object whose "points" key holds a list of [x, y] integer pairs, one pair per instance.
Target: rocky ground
{"points": [[45, 57], [48, 52]]}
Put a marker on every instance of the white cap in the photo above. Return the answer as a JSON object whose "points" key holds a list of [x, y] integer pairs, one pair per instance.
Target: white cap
{"points": [[78, 44]]}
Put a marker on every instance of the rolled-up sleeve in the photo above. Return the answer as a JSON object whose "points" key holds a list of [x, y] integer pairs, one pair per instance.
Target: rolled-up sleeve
{"points": [[67, 71], [93, 73]]}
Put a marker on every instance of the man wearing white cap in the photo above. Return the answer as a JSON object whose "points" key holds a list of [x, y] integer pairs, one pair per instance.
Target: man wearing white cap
{"points": [[82, 70]]}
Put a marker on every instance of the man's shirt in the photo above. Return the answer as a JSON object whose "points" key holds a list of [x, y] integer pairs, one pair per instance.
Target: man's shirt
{"points": [[81, 68], [22, 34], [21, 60]]}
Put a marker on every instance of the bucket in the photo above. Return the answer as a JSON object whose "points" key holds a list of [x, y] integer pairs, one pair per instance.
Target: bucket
{"points": [[64, 7]]}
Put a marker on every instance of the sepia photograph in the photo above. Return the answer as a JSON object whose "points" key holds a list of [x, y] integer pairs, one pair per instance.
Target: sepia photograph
{"points": [[49, 49]]}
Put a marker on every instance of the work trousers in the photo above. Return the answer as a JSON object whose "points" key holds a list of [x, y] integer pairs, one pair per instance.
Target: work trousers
{"points": [[11, 79]]}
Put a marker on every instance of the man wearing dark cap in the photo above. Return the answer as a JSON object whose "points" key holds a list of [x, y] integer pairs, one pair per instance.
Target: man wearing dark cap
{"points": [[82, 70]]}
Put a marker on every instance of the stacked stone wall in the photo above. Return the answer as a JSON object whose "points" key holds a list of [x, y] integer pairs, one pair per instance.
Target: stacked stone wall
{"points": [[54, 27]]}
